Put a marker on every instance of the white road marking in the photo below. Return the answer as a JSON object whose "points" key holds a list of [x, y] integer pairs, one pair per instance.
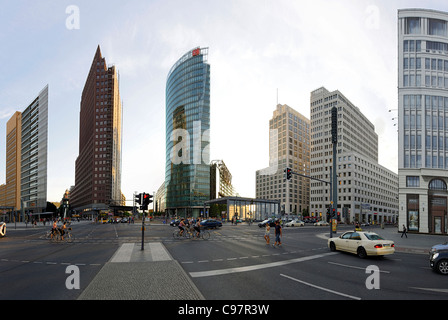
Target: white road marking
{"points": [[431, 289], [159, 252], [353, 267], [321, 288], [256, 267], [124, 253]]}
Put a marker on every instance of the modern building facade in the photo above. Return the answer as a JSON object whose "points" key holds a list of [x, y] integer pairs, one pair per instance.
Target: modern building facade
{"points": [[34, 146], [220, 180], [367, 191], [10, 192], [26, 158], [289, 146], [187, 171], [98, 165], [423, 120]]}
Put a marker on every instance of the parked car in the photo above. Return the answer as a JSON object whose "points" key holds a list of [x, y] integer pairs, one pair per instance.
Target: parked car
{"points": [[211, 224], [362, 243], [271, 222], [438, 258], [295, 223]]}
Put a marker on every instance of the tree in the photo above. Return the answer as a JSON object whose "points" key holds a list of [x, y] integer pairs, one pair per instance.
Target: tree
{"points": [[51, 208]]}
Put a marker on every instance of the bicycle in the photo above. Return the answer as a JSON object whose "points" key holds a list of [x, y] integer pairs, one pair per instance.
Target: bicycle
{"points": [[57, 237], [177, 235], [69, 236], [204, 234], [53, 235]]}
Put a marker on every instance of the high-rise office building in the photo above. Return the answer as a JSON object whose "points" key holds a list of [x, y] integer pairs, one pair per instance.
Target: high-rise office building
{"points": [[367, 191], [289, 146], [423, 120], [26, 158], [187, 171], [34, 148], [98, 166]]}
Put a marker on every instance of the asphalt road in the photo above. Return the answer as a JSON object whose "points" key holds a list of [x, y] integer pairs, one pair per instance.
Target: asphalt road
{"points": [[239, 265], [235, 264]]}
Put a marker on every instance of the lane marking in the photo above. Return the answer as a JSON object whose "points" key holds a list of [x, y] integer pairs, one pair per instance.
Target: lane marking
{"points": [[431, 289], [353, 267], [256, 267], [321, 288]]}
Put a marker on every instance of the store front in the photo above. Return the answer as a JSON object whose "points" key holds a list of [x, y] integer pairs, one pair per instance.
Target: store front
{"points": [[437, 198]]}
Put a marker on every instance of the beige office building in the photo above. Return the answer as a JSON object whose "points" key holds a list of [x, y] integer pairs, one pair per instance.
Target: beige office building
{"points": [[289, 146], [367, 191], [26, 158]]}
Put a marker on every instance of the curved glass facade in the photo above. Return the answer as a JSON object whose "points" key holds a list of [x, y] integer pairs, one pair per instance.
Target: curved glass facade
{"points": [[187, 171]]}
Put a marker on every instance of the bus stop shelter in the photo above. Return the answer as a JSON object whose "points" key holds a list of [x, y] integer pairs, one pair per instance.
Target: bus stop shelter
{"points": [[245, 208]]}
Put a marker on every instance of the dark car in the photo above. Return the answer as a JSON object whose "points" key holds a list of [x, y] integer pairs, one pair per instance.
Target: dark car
{"points": [[438, 258], [211, 224], [271, 222], [174, 223]]}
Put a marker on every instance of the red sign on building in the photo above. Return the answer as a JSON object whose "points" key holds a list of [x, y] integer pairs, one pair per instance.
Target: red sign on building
{"points": [[196, 52]]}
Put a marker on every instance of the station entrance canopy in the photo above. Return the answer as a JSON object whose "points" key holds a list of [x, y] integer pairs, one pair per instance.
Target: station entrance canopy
{"points": [[245, 208]]}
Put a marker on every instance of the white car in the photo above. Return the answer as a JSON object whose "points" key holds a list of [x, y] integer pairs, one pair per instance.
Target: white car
{"points": [[321, 223], [295, 223], [362, 243], [2, 229]]}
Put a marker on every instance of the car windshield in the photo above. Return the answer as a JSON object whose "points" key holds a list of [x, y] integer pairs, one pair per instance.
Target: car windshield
{"points": [[373, 236]]}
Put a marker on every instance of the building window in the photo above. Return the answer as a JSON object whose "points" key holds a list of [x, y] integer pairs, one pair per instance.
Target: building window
{"points": [[437, 27], [412, 25], [437, 184], [413, 212], [412, 181]]}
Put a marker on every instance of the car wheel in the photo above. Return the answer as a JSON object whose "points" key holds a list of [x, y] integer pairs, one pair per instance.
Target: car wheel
{"points": [[332, 246], [442, 267], [362, 253]]}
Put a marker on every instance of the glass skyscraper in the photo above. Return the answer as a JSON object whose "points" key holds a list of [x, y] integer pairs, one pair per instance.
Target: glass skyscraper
{"points": [[187, 172], [423, 120]]}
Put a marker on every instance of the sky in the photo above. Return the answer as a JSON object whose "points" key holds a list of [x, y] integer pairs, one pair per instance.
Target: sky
{"points": [[260, 51]]}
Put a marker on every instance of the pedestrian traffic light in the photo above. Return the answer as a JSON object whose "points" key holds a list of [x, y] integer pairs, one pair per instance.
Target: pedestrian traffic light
{"points": [[146, 201], [288, 173], [138, 198], [333, 213]]}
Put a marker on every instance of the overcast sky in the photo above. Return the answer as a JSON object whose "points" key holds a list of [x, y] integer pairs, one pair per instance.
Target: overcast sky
{"points": [[255, 48]]}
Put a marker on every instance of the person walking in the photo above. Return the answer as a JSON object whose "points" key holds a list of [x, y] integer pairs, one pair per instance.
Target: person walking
{"points": [[267, 231], [404, 233], [278, 234]]}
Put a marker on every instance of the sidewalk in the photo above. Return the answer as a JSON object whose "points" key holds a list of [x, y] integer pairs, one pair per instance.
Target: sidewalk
{"points": [[133, 274]]}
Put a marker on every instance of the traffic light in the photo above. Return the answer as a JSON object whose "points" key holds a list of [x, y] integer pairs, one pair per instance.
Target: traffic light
{"points": [[146, 201], [333, 213], [138, 198], [334, 125], [288, 173]]}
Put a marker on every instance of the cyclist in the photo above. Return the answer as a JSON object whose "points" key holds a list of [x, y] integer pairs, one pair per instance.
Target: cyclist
{"points": [[181, 226], [54, 229], [62, 230], [197, 227]]}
